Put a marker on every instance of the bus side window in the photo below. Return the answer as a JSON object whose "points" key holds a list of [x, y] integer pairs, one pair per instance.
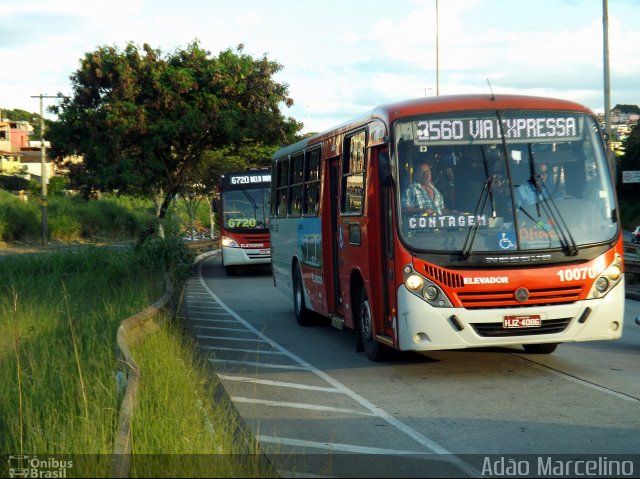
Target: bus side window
{"points": [[282, 186], [353, 164], [311, 192], [295, 192]]}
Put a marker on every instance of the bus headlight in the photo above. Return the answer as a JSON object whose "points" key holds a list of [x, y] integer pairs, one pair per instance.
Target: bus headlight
{"points": [[425, 289], [228, 242], [430, 292], [414, 283], [613, 272], [602, 284], [611, 276]]}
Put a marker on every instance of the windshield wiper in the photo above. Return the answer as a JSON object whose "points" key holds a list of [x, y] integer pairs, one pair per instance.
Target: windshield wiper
{"points": [[482, 201], [253, 203], [551, 210], [543, 196]]}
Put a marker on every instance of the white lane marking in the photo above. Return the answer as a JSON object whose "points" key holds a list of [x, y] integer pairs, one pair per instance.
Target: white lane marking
{"points": [[300, 405], [412, 433], [214, 320], [239, 350], [219, 328], [578, 380], [206, 308], [296, 474], [255, 365], [334, 446], [250, 340], [268, 382]]}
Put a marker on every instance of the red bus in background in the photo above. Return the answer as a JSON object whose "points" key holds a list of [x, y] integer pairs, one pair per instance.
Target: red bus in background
{"points": [[244, 218], [522, 246]]}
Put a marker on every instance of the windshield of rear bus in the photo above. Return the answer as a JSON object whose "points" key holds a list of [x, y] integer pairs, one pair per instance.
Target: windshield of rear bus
{"points": [[246, 208], [507, 181]]}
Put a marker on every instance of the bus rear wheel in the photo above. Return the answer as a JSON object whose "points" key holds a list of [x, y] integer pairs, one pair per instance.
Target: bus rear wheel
{"points": [[374, 350], [303, 315], [544, 348]]}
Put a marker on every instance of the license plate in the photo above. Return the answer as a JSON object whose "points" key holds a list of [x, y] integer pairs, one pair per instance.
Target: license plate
{"points": [[522, 321]]}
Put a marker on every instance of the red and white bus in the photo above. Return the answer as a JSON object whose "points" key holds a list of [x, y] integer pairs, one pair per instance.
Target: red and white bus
{"points": [[483, 269], [244, 218]]}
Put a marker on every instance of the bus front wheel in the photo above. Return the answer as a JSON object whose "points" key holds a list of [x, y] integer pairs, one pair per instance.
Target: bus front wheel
{"points": [[372, 348], [544, 348], [299, 307]]}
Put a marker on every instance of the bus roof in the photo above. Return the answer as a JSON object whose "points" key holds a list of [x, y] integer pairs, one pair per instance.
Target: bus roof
{"points": [[389, 113]]}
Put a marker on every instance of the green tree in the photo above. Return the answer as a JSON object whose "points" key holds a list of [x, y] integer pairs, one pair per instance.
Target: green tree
{"points": [[631, 158], [142, 120], [630, 161], [202, 181], [55, 186]]}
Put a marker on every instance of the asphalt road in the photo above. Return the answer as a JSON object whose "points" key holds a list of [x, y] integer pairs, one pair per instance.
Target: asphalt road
{"points": [[320, 409]]}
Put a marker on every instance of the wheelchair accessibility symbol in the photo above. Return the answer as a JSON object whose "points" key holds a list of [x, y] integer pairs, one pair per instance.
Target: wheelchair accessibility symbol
{"points": [[507, 241]]}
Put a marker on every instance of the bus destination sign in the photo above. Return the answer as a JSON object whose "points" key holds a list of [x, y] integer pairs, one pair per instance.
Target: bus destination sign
{"points": [[485, 130], [246, 179]]}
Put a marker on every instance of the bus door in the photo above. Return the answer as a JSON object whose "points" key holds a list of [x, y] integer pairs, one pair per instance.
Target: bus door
{"points": [[334, 181], [387, 251]]}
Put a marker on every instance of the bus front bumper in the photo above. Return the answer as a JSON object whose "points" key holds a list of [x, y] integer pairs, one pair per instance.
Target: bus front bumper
{"points": [[242, 257], [421, 327]]}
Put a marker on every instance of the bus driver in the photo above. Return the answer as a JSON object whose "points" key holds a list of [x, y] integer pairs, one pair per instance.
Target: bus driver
{"points": [[529, 193], [422, 197]]}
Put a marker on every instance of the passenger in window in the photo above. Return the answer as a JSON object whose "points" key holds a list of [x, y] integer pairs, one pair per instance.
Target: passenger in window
{"points": [[470, 178], [422, 197], [534, 189], [443, 174]]}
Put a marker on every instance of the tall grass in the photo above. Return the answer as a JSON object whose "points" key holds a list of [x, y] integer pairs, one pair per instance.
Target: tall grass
{"points": [[63, 310], [59, 315], [74, 219], [178, 428]]}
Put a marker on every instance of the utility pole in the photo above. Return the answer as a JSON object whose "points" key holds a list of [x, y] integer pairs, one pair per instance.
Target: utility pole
{"points": [[607, 86], [43, 171], [438, 52]]}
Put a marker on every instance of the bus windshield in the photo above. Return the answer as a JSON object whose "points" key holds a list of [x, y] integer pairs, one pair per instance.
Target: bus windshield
{"points": [[246, 209], [515, 180]]}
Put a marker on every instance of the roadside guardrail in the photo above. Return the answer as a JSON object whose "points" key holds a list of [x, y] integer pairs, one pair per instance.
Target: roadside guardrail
{"points": [[202, 245], [631, 258]]}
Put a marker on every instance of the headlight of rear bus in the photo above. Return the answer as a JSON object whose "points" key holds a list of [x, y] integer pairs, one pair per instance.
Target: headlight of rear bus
{"points": [[607, 279], [230, 243], [425, 289]]}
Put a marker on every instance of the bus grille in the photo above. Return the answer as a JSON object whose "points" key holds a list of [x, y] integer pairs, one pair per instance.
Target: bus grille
{"points": [[256, 238], [445, 278], [507, 299], [494, 330]]}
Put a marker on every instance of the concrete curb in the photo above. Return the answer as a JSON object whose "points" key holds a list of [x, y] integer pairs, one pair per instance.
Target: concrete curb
{"points": [[131, 331]]}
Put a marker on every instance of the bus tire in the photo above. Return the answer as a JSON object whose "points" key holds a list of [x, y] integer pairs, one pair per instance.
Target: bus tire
{"points": [[374, 350], [544, 348], [303, 315]]}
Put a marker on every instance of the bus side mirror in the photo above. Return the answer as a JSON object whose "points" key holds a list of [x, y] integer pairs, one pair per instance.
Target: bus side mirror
{"points": [[384, 166]]}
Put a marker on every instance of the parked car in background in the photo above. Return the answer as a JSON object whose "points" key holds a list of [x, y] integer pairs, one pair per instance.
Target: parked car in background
{"points": [[635, 235]]}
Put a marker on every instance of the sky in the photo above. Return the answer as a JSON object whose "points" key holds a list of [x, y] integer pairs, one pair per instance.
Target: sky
{"points": [[341, 58]]}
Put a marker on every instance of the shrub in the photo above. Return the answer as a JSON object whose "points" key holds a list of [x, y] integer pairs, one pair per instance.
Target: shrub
{"points": [[21, 219]]}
